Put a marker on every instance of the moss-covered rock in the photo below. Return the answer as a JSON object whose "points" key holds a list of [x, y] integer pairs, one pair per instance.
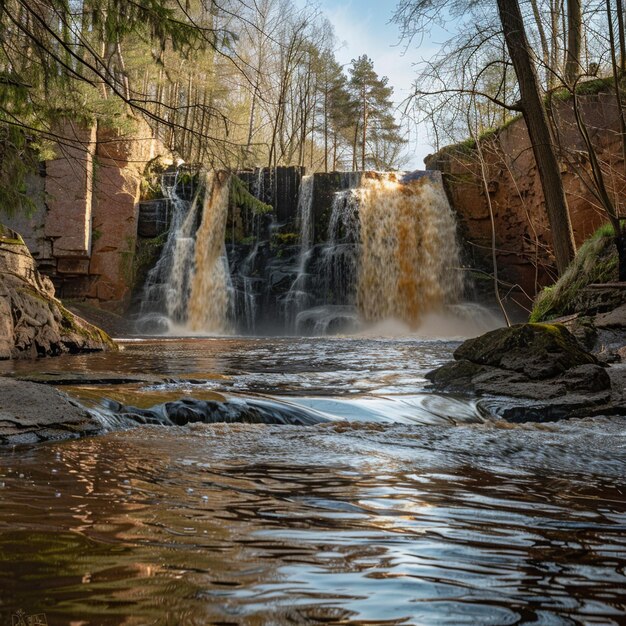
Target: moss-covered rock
{"points": [[537, 350], [32, 321], [531, 372], [595, 262], [240, 196]]}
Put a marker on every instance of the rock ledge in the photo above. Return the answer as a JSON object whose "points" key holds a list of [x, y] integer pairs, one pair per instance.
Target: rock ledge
{"points": [[32, 321], [533, 372]]}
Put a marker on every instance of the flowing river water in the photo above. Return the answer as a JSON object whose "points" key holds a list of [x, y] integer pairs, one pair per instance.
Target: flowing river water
{"points": [[407, 508]]}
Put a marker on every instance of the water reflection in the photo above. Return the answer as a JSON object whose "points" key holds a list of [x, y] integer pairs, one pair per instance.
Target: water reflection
{"points": [[343, 523], [280, 366], [413, 508]]}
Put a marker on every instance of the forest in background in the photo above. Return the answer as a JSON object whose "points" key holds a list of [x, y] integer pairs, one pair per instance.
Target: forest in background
{"points": [[223, 83]]}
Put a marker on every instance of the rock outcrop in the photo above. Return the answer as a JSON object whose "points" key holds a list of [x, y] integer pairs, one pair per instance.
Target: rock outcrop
{"points": [[523, 236], [533, 372], [599, 320], [83, 229], [30, 413], [32, 321]]}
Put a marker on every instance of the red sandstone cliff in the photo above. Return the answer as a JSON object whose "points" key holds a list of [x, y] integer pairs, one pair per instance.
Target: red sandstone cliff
{"points": [[84, 229], [523, 236]]}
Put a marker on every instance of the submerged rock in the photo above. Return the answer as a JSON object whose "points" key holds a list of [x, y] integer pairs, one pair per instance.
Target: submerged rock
{"points": [[543, 365], [190, 410], [32, 321]]}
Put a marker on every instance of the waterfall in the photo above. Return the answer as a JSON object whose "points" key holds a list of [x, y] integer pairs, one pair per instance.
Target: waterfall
{"points": [[340, 256], [355, 248], [166, 289], [211, 288], [189, 287], [298, 297], [409, 253]]}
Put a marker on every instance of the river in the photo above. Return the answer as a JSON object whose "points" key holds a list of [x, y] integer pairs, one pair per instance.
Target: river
{"points": [[407, 508]]}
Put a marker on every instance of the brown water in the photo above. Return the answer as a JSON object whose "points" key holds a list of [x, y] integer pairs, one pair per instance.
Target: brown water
{"points": [[416, 510]]}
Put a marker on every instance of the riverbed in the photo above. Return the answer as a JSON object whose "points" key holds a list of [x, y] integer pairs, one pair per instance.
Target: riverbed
{"points": [[407, 507]]}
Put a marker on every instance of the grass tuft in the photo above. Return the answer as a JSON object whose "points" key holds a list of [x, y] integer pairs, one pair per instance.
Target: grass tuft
{"points": [[595, 262]]}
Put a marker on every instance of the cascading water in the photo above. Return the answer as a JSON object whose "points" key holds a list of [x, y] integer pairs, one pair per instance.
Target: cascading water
{"points": [[369, 246], [211, 288], [409, 254], [298, 297], [189, 287], [166, 289], [390, 252]]}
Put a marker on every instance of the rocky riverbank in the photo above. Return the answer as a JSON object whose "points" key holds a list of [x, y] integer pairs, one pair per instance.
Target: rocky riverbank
{"points": [[534, 372], [33, 323]]}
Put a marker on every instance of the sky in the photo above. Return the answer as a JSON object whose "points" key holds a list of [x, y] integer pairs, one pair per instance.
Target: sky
{"points": [[363, 27]]}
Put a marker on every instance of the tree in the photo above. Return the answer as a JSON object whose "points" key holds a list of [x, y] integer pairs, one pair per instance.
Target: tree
{"points": [[539, 131], [574, 40], [474, 55], [372, 96]]}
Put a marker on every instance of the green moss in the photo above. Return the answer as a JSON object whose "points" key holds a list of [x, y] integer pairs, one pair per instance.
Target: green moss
{"points": [[10, 237], [127, 265], [187, 177], [466, 147], [151, 181], [595, 262], [286, 239], [147, 252], [587, 88], [240, 196], [93, 333], [31, 292]]}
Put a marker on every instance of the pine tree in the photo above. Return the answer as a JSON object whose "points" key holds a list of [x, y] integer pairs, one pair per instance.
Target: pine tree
{"points": [[372, 96]]}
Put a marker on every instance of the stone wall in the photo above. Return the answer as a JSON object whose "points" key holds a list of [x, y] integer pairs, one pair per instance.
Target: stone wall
{"points": [[523, 238], [84, 228]]}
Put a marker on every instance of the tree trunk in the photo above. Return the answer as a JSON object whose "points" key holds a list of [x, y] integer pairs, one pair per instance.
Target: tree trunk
{"points": [[539, 132], [619, 5], [616, 79], [364, 138], [545, 50], [574, 38], [326, 126]]}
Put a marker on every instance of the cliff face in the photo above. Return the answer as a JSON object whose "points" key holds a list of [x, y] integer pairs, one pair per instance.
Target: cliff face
{"points": [[84, 230], [32, 321], [523, 238]]}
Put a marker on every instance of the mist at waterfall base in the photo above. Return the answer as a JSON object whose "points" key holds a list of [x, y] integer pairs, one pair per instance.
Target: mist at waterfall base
{"points": [[382, 260]]}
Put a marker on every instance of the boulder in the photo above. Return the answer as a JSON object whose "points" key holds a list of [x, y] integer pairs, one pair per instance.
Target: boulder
{"points": [[190, 411], [32, 321], [532, 372], [538, 351]]}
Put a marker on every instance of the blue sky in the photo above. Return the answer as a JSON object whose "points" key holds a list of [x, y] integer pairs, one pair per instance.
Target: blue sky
{"points": [[362, 26]]}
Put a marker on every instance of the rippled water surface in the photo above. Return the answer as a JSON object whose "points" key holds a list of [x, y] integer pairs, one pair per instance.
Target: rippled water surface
{"points": [[408, 508]]}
